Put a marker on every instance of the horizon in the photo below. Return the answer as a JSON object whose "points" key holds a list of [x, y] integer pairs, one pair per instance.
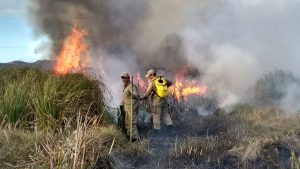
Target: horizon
{"points": [[17, 42]]}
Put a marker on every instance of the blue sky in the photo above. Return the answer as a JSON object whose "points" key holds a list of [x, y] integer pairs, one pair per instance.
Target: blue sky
{"points": [[16, 37]]}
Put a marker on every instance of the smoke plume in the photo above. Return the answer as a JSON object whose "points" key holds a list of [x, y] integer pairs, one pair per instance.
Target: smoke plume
{"points": [[230, 42]]}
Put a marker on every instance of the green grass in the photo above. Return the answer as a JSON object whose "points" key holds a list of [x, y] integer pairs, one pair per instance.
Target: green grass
{"points": [[30, 96]]}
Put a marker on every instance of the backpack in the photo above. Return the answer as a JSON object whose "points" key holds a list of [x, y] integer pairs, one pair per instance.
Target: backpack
{"points": [[161, 87]]}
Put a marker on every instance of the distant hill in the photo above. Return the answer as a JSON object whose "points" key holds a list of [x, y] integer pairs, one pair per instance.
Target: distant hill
{"points": [[40, 64]]}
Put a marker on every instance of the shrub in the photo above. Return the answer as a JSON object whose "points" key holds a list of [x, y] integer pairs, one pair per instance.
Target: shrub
{"points": [[271, 88]]}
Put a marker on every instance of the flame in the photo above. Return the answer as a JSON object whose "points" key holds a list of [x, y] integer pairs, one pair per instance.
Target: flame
{"points": [[73, 54], [141, 83], [182, 88]]}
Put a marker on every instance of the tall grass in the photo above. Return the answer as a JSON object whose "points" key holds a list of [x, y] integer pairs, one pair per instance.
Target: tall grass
{"points": [[45, 103], [88, 145], [30, 96]]}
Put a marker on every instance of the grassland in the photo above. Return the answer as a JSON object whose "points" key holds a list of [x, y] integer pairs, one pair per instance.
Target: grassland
{"points": [[50, 121], [248, 137]]}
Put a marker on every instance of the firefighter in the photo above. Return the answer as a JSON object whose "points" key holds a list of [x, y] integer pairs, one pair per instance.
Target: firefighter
{"points": [[130, 101], [158, 102]]}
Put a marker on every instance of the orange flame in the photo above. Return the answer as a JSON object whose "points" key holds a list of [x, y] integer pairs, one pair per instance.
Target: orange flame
{"points": [[73, 54], [181, 88], [141, 83]]}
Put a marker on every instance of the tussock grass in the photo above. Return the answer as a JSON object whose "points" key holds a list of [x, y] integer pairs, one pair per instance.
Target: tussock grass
{"points": [[31, 97]]}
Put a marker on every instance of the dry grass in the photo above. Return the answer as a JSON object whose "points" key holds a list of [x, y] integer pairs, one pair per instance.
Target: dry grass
{"points": [[261, 137], [85, 147], [295, 161], [265, 128], [203, 148]]}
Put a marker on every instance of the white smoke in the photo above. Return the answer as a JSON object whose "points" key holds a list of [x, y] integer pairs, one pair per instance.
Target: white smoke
{"points": [[231, 42], [111, 69], [235, 42], [290, 102]]}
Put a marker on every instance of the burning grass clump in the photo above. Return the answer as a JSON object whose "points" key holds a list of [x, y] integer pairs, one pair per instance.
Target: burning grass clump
{"points": [[30, 97]]}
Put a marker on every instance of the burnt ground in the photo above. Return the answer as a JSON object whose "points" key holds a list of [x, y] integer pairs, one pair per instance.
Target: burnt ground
{"points": [[160, 147], [214, 133]]}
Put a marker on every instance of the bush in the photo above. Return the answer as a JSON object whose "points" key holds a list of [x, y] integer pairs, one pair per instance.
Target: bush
{"points": [[270, 89]]}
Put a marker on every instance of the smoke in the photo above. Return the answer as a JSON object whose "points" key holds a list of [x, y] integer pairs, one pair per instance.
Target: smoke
{"points": [[231, 42], [290, 101], [113, 26], [236, 42]]}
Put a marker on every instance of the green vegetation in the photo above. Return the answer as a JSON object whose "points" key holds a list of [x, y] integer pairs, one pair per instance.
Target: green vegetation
{"points": [[51, 121], [43, 100]]}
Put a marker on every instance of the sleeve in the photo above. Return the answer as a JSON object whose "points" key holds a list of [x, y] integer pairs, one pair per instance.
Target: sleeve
{"points": [[134, 92], [149, 90]]}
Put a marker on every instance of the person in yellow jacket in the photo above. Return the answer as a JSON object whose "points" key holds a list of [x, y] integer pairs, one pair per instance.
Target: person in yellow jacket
{"points": [[131, 105], [159, 104]]}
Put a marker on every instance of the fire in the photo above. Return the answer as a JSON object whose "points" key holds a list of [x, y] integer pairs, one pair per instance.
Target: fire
{"points": [[141, 83], [73, 56], [182, 88]]}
